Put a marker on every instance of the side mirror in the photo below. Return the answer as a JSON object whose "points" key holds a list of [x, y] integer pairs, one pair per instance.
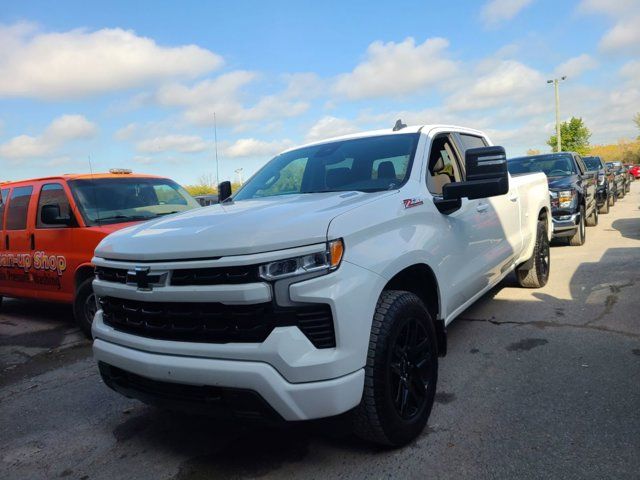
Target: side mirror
{"points": [[224, 191], [50, 215], [487, 175]]}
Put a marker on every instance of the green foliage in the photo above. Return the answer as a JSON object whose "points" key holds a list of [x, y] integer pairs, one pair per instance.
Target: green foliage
{"points": [[636, 120], [204, 189], [624, 151], [575, 137]]}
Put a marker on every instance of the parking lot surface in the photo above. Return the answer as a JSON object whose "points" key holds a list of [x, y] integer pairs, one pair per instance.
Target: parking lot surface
{"points": [[537, 384]]}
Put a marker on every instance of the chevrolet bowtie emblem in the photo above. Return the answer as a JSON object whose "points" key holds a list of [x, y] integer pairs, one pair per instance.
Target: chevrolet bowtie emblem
{"points": [[142, 278]]}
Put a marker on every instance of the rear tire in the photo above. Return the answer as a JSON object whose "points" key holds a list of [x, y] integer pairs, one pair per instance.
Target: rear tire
{"points": [[84, 306], [611, 201], [592, 221], [401, 372], [538, 275], [578, 238], [604, 208]]}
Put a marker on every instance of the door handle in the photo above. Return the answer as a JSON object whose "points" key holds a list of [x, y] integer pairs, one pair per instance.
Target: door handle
{"points": [[482, 207], [33, 242], [514, 198]]}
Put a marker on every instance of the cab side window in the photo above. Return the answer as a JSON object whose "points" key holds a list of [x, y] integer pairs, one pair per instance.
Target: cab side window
{"points": [[443, 166], [581, 165], [3, 201], [471, 141], [18, 208], [53, 194]]}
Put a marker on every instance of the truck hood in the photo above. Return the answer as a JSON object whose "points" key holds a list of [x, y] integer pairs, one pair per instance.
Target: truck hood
{"points": [[235, 228], [562, 183]]}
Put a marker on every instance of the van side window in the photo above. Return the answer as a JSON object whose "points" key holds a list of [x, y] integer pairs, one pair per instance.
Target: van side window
{"points": [[18, 208], [443, 166], [53, 194], [3, 201]]}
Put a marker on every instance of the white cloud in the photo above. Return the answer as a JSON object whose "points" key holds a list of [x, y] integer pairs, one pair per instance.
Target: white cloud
{"points": [[576, 66], [496, 83], [79, 62], [497, 11], [61, 130], [250, 147], [175, 143], [223, 95], [125, 133], [328, 127], [625, 35], [393, 69]]}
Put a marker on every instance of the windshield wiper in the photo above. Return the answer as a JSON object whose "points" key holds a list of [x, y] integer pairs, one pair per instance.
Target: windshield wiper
{"points": [[166, 213], [123, 217]]}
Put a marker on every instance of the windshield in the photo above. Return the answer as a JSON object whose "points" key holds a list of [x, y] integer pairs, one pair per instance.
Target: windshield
{"points": [[553, 165], [365, 164], [115, 200], [593, 163]]}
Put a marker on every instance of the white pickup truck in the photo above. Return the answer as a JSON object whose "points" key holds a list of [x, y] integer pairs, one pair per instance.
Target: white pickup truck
{"points": [[325, 284]]}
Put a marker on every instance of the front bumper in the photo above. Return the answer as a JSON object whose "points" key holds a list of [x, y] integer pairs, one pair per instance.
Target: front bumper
{"points": [[302, 401], [565, 225]]}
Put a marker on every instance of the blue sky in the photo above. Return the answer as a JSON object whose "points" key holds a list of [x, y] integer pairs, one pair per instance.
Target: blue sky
{"points": [[135, 84]]}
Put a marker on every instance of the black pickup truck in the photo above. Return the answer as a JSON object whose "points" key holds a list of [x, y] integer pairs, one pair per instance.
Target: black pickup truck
{"points": [[620, 175], [572, 188], [606, 186]]}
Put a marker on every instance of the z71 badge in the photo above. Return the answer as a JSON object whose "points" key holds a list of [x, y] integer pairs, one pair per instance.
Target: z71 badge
{"points": [[412, 202]]}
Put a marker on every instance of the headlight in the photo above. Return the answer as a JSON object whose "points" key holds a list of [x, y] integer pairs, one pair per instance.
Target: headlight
{"points": [[566, 198], [326, 261]]}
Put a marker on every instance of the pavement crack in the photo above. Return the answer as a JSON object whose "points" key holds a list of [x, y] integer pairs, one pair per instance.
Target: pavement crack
{"points": [[544, 324]]}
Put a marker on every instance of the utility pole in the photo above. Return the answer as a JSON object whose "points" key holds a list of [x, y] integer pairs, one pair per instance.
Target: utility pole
{"points": [[555, 82]]}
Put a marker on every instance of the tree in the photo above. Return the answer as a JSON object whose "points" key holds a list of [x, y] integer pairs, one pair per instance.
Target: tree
{"points": [[636, 120], [575, 137], [533, 151]]}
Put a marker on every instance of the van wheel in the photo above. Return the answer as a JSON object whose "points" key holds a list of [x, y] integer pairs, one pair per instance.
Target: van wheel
{"points": [[604, 208], [592, 221], [578, 238], [538, 275], [401, 371], [84, 306]]}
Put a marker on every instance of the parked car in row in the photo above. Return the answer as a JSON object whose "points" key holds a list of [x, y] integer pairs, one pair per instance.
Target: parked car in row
{"points": [[634, 171], [605, 190], [51, 226], [325, 284], [572, 189], [621, 178]]}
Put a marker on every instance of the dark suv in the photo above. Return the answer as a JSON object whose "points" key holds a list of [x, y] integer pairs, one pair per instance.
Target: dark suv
{"points": [[605, 189], [572, 188]]}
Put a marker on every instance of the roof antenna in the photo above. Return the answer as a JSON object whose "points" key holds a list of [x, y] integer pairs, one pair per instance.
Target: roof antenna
{"points": [[399, 125]]}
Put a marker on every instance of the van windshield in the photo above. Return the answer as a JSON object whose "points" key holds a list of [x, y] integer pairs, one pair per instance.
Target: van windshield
{"points": [[115, 200], [365, 164]]}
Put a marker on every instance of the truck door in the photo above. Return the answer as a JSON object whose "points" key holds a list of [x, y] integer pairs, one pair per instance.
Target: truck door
{"points": [[588, 184], [17, 259], [466, 233], [503, 213], [54, 258]]}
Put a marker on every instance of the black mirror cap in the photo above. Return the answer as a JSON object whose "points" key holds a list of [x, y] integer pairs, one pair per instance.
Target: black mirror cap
{"points": [[485, 163], [50, 215], [224, 191]]}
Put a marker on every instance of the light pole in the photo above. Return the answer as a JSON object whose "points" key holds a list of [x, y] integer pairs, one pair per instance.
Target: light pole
{"points": [[555, 82]]}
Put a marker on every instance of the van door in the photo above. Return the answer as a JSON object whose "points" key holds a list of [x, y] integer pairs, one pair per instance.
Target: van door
{"points": [[54, 260], [17, 259], [4, 197]]}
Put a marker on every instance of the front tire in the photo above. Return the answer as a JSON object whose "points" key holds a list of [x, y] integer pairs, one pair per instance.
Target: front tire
{"points": [[401, 371], [578, 238], [538, 275], [611, 201], [84, 306], [604, 208]]}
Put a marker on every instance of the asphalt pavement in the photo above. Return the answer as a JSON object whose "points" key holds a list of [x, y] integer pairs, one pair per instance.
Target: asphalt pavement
{"points": [[537, 384]]}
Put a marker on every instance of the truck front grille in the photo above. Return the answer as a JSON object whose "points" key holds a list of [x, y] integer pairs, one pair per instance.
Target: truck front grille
{"points": [[216, 322], [189, 276]]}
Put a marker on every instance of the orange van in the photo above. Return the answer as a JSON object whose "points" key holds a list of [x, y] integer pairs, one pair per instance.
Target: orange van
{"points": [[51, 226]]}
